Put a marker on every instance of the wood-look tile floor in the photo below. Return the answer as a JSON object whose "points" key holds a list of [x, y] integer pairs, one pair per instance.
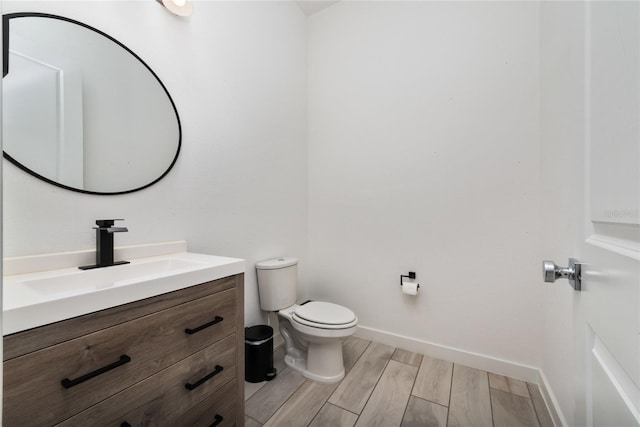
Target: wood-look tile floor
{"points": [[391, 387]]}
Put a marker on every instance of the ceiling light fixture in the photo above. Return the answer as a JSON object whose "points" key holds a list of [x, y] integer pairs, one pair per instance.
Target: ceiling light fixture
{"points": [[178, 7]]}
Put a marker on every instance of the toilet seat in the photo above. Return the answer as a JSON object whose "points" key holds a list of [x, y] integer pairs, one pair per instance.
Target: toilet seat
{"points": [[324, 315]]}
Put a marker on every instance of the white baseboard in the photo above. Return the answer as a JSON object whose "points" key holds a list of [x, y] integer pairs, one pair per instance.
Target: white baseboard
{"points": [[473, 360], [463, 357], [551, 401]]}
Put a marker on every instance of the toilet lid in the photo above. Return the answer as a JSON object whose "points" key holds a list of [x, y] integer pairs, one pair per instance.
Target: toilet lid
{"points": [[325, 313]]}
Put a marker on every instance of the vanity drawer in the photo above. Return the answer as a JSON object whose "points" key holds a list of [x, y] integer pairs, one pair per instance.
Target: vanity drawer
{"points": [[218, 409], [31, 340], [34, 394], [159, 399]]}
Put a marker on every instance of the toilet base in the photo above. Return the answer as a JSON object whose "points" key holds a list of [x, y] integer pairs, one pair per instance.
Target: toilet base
{"points": [[316, 353], [330, 375]]}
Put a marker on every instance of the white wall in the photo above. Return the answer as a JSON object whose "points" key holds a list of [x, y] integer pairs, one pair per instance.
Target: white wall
{"points": [[424, 156], [237, 73]]}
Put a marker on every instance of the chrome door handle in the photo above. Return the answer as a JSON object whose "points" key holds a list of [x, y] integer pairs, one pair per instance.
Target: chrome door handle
{"points": [[551, 272]]}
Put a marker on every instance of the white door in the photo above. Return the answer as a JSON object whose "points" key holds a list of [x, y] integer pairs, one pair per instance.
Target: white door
{"points": [[605, 352], [608, 304], [32, 123], [42, 112]]}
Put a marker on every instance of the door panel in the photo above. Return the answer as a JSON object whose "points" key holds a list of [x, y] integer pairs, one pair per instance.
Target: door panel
{"points": [[54, 127], [614, 109], [607, 310], [607, 378]]}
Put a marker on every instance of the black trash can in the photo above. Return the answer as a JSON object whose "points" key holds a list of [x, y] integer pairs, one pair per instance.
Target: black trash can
{"points": [[258, 354]]}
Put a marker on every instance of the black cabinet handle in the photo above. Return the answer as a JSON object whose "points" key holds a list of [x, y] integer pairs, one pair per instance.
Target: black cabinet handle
{"points": [[218, 319], [67, 383], [198, 383], [125, 424], [217, 420]]}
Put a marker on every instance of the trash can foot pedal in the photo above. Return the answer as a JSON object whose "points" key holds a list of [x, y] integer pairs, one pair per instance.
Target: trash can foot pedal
{"points": [[271, 374]]}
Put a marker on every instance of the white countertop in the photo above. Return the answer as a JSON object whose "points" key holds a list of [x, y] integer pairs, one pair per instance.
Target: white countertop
{"points": [[39, 298]]}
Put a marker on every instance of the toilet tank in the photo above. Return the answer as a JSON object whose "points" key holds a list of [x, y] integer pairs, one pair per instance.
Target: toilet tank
{"points": [[277, 282]]}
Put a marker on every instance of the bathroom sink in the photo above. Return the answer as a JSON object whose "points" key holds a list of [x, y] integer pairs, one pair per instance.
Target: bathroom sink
{"points": [[35, 299], [81, 281]]}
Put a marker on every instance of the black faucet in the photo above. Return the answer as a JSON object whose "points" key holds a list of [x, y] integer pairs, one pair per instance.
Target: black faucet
{"points": [[104, 244]]}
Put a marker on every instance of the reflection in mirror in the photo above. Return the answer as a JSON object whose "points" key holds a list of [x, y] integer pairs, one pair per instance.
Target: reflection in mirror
{"points": [[81, 110]]}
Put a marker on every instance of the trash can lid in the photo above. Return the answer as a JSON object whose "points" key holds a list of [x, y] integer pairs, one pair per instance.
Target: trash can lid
{"points": [[258, 333]]}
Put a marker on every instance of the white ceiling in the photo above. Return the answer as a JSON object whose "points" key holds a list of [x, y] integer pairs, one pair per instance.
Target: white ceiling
{"points": [[309, 7]]}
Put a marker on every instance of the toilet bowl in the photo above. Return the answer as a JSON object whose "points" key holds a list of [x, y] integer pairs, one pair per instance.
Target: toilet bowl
{"points": [[313, 332], [314, 345]]}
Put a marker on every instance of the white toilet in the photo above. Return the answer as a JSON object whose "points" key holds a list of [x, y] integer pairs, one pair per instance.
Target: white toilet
{"points": [[313, 332]]}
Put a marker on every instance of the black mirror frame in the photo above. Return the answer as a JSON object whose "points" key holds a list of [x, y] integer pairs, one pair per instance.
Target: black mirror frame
{"points": [[5, 57]]}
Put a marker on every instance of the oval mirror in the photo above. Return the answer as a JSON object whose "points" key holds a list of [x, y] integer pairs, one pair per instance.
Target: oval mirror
{"points": [[82, 111]]}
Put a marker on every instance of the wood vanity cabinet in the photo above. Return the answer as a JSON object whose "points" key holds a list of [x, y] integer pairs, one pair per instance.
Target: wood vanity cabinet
{"points": [[174, 359]]}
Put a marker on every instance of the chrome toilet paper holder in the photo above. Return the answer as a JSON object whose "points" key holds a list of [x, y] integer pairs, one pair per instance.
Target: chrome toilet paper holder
{"points": [[411, 275]]}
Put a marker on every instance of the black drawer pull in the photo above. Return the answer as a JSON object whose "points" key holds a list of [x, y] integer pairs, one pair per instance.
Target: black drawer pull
{"points": [[218, 419], [218, 319], [125, 424], [67, 383], [198, 383]]}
